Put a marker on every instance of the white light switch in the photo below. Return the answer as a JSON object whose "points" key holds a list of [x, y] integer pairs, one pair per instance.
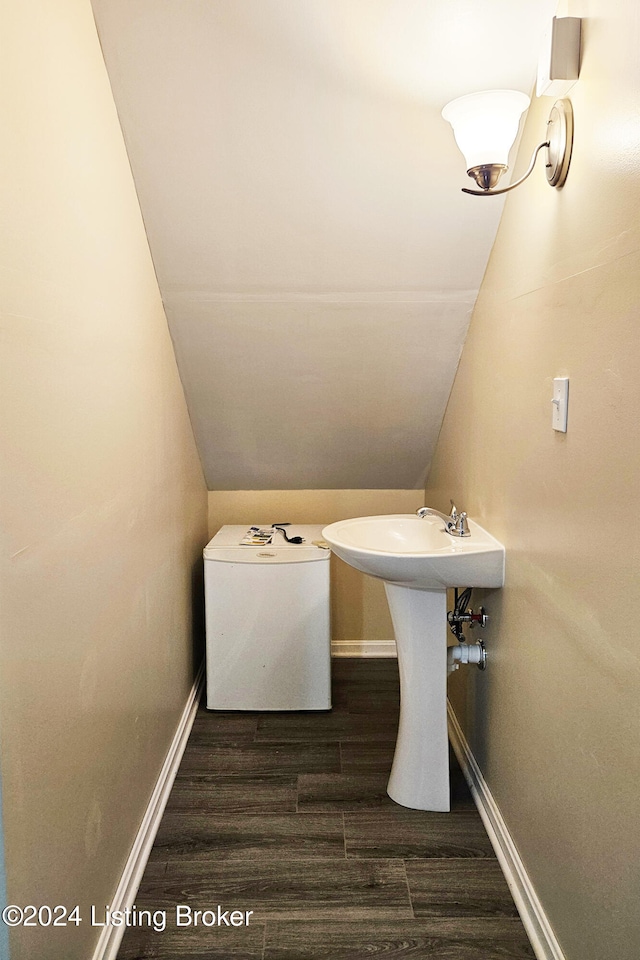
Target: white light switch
{"points": [[560, 403]]}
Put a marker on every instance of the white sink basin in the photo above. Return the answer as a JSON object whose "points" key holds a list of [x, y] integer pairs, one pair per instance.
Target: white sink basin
{"points": [[418, 552]]}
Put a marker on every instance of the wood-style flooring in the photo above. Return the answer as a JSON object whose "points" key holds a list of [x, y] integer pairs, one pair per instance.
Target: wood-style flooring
{"points": [[286, 815]]}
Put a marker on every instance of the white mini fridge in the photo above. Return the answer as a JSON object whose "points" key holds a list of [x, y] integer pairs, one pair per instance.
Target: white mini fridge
{"points": [[267, 622]]}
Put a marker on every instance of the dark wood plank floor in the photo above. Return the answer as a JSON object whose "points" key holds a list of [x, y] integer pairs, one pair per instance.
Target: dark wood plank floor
{"points": [[286, 815]]}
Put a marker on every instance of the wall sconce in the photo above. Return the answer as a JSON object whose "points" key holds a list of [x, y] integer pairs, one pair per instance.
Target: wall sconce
{"points": [[485, 126]]}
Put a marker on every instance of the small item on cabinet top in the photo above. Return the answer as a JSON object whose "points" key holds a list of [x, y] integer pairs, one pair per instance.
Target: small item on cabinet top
{"points": [[255, 537]]}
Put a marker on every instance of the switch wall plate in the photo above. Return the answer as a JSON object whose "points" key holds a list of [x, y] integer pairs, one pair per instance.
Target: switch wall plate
{"points": [[560, 403]]}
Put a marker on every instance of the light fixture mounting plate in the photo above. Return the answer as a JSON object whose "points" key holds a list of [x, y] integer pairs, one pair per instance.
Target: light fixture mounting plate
{"points": [[560, 137]]}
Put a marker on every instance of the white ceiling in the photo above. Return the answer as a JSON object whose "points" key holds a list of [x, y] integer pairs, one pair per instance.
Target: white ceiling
{"points": [[301, 193]]}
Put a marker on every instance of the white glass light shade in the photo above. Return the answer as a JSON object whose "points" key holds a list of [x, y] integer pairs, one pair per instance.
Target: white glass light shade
{"points": [[485, 124]]}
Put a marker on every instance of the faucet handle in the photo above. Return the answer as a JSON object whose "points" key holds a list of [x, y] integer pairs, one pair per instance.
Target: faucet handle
{"points": [[461, 525], [454, 512]]}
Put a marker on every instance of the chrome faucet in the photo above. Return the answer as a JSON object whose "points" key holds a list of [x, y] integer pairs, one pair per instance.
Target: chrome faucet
{"points": [[456, 523]]}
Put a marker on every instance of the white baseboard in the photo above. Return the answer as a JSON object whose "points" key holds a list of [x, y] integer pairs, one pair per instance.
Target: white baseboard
{"points": [[539, 930], [363, 648], [124, 897]]}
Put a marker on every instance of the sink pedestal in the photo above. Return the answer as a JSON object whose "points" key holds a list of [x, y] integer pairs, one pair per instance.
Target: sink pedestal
{"points": [[420, 773]]}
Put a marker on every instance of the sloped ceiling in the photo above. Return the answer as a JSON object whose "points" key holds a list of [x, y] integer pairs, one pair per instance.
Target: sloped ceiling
{"points": [[301, 193]]}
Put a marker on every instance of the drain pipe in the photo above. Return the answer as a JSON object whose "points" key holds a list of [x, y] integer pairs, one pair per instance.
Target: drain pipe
{"points": [[460, 616], [466, 653]]}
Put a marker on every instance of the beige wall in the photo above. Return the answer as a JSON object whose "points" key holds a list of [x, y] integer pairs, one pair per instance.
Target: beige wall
{"points": [[555, 719], [359, 608], [104, 504]]}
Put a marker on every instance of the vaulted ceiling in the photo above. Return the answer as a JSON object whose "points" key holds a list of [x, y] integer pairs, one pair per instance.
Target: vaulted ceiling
{"points": [[301, 193]]}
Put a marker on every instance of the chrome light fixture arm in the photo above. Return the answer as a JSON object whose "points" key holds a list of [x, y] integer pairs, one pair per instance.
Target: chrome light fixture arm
{"points": [[476, 172]]}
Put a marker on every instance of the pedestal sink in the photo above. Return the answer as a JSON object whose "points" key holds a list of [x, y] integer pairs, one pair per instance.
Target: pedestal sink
{"points": [[418, 560]]}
